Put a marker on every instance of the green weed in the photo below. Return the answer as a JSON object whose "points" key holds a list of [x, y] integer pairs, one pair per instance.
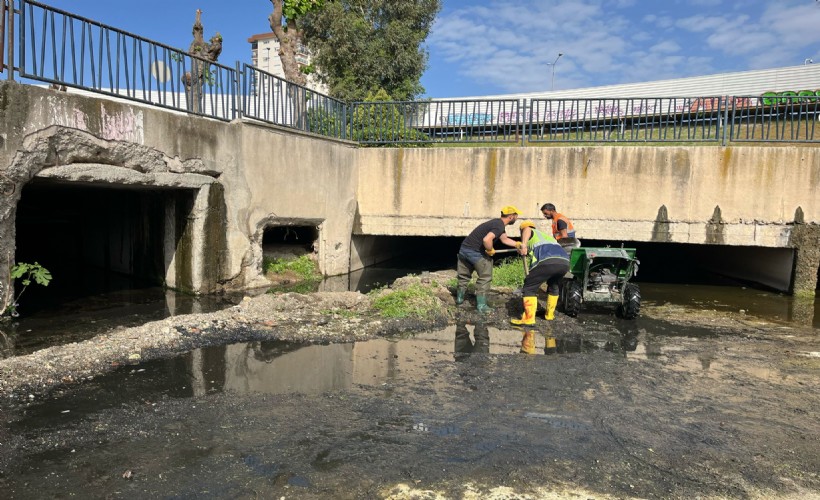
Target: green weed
{"points": [[26, 273], [303, 266], [414, 301], [509, 272]]}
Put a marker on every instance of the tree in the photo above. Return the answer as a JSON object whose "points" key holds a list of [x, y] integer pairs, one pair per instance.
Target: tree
{"points": [[284, 23], [361, 46], [200, 70]]}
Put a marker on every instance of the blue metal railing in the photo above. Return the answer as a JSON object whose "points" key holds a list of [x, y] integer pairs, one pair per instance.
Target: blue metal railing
{"points": [[50, 45]]}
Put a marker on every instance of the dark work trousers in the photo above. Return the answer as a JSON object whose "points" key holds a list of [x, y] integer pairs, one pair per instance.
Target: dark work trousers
{"points": [[551, 270], [482, 264]]}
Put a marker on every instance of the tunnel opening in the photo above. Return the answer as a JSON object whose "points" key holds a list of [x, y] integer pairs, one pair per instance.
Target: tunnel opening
{"points": [[95, 240], [664, 263], [290, 240], [722, 265]]}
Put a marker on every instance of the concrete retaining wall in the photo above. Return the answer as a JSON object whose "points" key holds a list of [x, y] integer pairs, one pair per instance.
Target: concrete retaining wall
{"points": [[248, 176], [698, 194]]}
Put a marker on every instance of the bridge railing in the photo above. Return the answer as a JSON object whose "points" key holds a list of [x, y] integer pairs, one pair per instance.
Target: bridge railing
{"points": [[46, 44], [785, 118], [409, 122], [63, 49], [271, 99], [634, 119]]}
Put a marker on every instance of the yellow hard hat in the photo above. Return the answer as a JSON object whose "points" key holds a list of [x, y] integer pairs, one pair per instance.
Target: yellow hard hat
{"points": [[509, 210], [526, 223]]}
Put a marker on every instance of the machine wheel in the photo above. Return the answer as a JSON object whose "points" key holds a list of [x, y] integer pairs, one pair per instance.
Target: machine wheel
{"points": [[573, 296], [631, 305]]}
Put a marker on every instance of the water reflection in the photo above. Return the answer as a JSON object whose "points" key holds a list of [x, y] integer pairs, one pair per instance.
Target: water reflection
{"points": [[464, 345], [81, 319], [626, 341]]}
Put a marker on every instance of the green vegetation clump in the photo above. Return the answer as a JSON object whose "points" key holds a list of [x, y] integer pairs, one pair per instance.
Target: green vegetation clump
{"points": [[300, 275], [509, 272], [303, 267], [26, 273], [415, 301]]}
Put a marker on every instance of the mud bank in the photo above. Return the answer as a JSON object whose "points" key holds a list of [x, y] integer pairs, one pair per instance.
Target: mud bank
{"points": [[321, 317]]}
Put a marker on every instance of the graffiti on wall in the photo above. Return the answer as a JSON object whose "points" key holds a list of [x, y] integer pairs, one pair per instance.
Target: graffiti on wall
{"points": [[512, 112], [788, 96]]}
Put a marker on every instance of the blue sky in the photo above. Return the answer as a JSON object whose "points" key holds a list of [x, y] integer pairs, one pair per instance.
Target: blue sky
{"points": [[505, 46]]}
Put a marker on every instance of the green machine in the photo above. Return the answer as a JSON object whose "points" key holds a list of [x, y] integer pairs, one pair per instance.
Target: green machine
{"points": [[600, 276]]}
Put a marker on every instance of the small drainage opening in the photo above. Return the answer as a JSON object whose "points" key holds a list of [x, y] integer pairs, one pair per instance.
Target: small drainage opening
{"points": [[289, 241]]}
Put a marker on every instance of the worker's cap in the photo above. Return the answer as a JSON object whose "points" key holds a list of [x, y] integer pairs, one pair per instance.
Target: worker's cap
{"points": [[526, 223], [509, 210]]}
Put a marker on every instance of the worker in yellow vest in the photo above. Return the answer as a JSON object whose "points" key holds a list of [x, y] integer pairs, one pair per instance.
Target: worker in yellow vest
{"points": [[549, 262]]}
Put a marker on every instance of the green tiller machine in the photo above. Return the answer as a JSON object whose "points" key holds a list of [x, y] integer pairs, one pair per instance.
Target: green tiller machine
{"points": [[600, 276]]}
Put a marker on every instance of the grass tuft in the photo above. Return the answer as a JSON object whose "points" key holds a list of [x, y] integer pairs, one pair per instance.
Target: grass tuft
{"points": [[414, 301], [509, 272], [304, 267]]}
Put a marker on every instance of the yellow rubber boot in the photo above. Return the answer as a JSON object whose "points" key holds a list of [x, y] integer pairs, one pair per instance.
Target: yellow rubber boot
{"points": [[552, 303], [528, 342], [528, 318]]}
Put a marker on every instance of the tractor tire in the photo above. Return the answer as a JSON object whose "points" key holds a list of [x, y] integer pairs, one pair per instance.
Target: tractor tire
{"points": [[631, 305], [573, 297]]}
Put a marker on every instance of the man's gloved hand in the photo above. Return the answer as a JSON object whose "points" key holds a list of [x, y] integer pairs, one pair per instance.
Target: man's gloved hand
{"points": [[490, 252]]}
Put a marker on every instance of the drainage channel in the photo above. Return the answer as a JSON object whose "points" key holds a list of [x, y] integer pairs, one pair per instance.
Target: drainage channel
{"points": [[609, 408]]}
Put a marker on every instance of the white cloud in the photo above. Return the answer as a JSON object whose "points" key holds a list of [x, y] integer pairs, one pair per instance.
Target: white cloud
{"points": [[666, 46], [509, 44], [700, 23]]}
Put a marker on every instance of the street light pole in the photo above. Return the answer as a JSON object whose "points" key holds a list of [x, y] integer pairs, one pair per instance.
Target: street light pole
{"points": [[552, 83]]}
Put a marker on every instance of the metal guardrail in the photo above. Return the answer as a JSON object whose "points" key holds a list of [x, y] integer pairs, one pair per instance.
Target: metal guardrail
{"points": [[268, 98], [462, 121], [793, 119], [644, 119], [64, 49], [60, 48]]}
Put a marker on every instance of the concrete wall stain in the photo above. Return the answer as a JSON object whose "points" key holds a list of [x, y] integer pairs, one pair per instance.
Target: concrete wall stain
{"points": [[216, 237], [799, 218], [492, 174], [725, 163], [661, 228], [184, 233], [681, 165], [805, 239], [397, 173], [714, 228]]}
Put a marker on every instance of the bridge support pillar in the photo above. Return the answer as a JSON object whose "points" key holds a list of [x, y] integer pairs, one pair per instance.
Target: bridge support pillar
{"points": [[805, 239]]}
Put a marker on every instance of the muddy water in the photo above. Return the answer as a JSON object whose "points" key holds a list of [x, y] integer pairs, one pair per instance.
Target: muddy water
{"points": [[616, 408], [82, 318]]}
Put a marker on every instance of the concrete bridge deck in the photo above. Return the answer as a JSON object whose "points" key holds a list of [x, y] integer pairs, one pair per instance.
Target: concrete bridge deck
{"points": [[220, 186]]}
